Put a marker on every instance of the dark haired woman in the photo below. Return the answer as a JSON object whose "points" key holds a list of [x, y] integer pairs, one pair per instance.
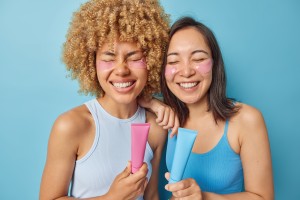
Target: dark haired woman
{"points": [[231, 156]]}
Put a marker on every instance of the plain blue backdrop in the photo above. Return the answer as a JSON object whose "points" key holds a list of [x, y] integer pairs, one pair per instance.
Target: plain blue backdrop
{"points": [[260, 41]]}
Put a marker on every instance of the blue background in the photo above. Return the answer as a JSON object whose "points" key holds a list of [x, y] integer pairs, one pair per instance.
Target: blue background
{"points": [[260, 41]]}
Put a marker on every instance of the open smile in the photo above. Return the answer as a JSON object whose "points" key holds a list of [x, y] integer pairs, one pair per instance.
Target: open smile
{"points": [[188, 85], [122, 84]]}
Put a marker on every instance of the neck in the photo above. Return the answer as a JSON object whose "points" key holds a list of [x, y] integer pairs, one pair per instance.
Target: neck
{"points": [[119, 110], [199, 111]]}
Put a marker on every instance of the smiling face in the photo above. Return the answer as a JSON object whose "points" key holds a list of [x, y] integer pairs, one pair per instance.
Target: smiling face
{"points": [[121, 71], [188, 69]]}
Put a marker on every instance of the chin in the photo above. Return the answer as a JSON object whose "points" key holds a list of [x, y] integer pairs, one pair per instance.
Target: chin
{"points": [[125, 101], [190, 100]]}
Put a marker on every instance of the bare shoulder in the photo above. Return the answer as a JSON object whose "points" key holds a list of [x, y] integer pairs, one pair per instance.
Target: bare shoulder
{"points": [[72, 124], [157, 135], [248, 115], [250, 121]]}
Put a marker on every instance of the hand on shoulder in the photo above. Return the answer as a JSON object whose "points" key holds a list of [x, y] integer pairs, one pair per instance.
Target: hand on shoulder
{"points": [[165, 115]]}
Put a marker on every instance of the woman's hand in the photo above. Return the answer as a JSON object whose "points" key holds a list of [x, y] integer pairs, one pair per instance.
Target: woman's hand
{"points": [[184, 189], [127, 185], [166, 116]]}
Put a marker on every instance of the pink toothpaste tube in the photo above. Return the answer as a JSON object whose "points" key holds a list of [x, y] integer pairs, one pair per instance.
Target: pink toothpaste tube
{"points": [[139, 137]]}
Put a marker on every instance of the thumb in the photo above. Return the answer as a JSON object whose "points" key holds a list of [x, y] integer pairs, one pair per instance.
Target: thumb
{"points": [[167, 175]]}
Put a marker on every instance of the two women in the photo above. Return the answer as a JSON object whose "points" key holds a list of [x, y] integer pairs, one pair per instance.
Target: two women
{"points": [[114, 49]]}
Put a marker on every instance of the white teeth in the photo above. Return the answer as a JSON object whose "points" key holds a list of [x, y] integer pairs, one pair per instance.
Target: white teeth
{"points": [[122, 85], [188, 85]]}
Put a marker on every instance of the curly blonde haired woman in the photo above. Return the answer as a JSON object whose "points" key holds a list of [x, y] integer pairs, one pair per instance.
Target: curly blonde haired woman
{"points": [[114, 49]]}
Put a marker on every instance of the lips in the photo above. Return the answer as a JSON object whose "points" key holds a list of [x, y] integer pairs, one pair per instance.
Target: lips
{"points": [[188, 85]]}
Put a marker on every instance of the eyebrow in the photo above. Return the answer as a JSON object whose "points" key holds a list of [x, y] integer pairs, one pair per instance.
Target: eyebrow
{"points": [[199, 51], [108, 53], [172, 54], [196, 51], [132, 53]]}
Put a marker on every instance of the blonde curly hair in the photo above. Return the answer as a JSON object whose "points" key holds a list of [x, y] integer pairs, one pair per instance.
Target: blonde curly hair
{"points": [[99, 21]]}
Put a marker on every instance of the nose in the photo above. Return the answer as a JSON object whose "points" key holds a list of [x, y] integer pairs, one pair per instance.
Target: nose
{"points": [[122, 68], [187, 70]]}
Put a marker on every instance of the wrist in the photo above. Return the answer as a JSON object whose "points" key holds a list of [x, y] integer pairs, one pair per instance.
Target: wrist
{"points": [[107, 196]]}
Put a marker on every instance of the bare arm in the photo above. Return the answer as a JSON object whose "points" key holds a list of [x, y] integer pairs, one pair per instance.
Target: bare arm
{"points": [[61, 157], [63, 150]]}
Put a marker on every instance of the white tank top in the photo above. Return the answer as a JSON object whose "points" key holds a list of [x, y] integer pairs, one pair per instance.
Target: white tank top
{"points": [[109, 154]]}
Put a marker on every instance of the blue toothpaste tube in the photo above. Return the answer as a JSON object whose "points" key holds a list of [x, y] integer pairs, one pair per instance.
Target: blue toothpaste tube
{"points": [[184, 145]]}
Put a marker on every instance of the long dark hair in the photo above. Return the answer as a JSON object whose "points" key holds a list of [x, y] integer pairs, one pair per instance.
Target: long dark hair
{"points": [[221, 107]]}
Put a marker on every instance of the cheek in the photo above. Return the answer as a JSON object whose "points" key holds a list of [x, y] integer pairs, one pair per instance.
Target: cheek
{"points": [[170, 72], [138, 64], [205, 66], [104, 66]]}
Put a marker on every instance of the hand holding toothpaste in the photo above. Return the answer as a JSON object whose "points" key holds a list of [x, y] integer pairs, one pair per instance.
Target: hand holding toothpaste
{"points": [[127, 185], [187, 188]]}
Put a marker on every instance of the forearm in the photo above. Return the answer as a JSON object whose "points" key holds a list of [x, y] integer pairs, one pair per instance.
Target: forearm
{"points": [[92, 198], [234, 196], [151, 196], [104, 197]]}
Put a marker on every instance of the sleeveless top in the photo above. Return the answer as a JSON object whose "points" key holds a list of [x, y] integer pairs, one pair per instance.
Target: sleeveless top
{"points": [[110, 152], [219, 170]]}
